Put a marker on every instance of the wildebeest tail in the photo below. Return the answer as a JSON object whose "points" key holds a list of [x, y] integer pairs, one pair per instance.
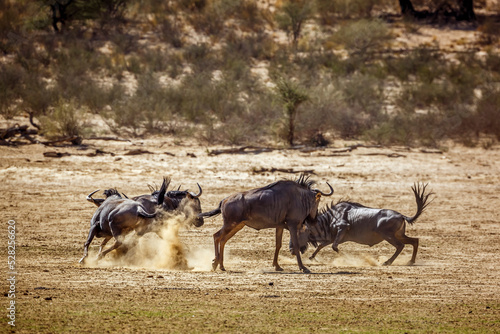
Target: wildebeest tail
{"points": [[212, 213], [422, 200]]}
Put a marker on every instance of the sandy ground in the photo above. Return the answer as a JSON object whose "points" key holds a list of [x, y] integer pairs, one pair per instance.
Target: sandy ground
{"points": [[454, 286]]}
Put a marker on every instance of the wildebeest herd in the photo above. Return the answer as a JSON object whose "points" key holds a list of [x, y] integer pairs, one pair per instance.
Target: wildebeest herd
{"points": [[285, 204]]}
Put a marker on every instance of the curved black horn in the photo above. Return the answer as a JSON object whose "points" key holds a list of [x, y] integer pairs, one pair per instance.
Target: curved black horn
{"points": [[199, 193], [89, 197], [179, 188], [322, 193]]}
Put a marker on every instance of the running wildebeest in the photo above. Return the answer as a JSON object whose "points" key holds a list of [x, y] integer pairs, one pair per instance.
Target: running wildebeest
{"points": [[282, 204], [177, 201], [118, 216], [348, 221]]}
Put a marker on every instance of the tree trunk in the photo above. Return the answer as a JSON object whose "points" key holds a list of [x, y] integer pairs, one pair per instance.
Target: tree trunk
{"points": [[467, 10], [291, 127], [406, 7]]}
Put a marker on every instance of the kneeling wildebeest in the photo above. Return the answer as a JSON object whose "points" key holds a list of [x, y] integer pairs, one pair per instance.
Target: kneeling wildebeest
{"points": [[282, 204], [175, 201], [118, 216], [348, 221]]}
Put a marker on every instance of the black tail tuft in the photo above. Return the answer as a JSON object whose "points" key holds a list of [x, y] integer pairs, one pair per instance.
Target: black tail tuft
{"points": [[422, 200]]}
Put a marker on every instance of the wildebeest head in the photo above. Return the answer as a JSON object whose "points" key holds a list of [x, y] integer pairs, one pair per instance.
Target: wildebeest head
{"points": [[108, 193], [313, 211], [188, 203], [303, 233]]}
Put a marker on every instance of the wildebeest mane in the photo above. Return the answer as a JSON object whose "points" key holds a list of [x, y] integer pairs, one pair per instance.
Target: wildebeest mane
{"points": [[302, 181], [111, 192], [348, 201]]}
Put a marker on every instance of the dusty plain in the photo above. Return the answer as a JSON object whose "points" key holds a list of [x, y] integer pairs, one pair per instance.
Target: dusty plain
{"points": [[454, 286]]}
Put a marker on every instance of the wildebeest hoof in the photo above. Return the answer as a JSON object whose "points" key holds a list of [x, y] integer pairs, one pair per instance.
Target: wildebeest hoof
{"points": [[306, 271], [278, 268], [82, 260], [335, 249], [386, 263], [410, 263]]}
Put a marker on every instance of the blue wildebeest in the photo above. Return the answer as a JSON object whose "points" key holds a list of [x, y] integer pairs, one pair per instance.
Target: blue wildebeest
{"points": [[282, 204], [118, 216], [175, 201], [349, 221]]}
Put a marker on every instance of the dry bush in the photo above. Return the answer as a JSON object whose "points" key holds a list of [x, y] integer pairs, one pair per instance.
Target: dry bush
{"points": [[421, 62], [11, 80], [330, 10], [65, 119], [490, 32], [363, 36], [487, 116]]}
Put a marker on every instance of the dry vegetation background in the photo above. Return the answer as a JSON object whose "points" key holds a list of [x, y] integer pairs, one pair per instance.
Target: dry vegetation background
{"points": [[174, 82]]}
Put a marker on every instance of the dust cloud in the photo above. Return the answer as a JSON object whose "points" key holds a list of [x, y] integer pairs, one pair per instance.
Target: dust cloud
{"points": [[161, 248]]}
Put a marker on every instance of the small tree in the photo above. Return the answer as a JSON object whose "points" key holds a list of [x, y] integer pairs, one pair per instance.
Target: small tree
{"points": [[292, 16], [291, 96]]}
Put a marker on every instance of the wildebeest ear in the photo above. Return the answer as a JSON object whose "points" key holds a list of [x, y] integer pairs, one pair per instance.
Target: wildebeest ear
{"points": [[318, 196]]}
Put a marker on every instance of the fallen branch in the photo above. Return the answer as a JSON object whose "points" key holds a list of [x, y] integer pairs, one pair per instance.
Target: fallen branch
{"points": [[99, 152], [108, 138], [21, 130], [241, 150], [431, 151], [53, 154], [75, 140], [138, 151], [390, 155], [282, 170]]}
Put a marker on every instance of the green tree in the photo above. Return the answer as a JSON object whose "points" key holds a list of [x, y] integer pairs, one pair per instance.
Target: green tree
{"points": [[292, 16], [291, 95]]}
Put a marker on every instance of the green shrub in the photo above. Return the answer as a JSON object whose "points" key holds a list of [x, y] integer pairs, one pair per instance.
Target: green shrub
{"points": [[330, 9], [11, 80], [360, 37], [363, 92], [487, 117], [64, 120], [425, 64]]}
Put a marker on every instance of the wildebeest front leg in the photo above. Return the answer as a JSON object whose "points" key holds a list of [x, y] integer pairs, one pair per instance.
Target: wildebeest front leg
{"points": [[295, 243], [341, 232], [320, 247], [279, 238], [92, 233]]}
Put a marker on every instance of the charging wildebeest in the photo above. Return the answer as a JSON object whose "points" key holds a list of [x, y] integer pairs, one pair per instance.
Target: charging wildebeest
{"points": [[282, 204], [118, 216], [348, 221], [175, 201]]}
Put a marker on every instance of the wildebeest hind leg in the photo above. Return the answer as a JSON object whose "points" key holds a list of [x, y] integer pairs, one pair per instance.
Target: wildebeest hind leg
{"points": [[279, 238], [215, 262], [103, 243], [399, 247], [414, 243], [226, 234], [115, 246]]}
